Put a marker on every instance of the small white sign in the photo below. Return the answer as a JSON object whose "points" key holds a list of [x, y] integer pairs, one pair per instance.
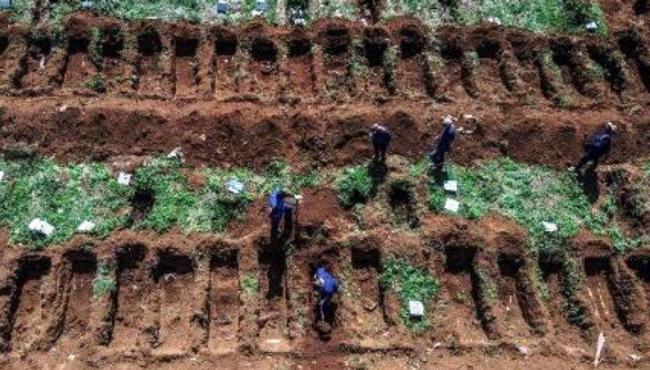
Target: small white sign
{"points": [[591, 26], [2, 175], [176, 153], [124, 178], [235, 186], [452, 205], [86, 227], [451, 185], [40, 226], [549, 227], [416, 309]]}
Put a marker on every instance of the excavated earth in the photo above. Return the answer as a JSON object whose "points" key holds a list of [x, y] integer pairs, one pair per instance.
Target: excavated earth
{"points": [[244, 96]]}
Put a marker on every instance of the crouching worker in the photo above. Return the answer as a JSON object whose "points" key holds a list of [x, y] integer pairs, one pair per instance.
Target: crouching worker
{"points": [[443, 144], [280, 210], [597, 146], [380, 137], [327, 288]]}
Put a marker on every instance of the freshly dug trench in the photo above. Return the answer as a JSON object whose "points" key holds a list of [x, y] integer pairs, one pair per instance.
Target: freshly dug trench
{"points": [[412, 41], [461, 291], [83, 268], [149, 42], [79, 67], [641, 265], [24, 320], [633, 48], [614, 73], [597, 271], [130, 299], [375, 44], [641, 7], [185, 66], [225, 44], [299, 47], [488, 49], [264, 50], [516, 285], [336, 40], [273, 266], [174, 275], [224, 302], [113, 44], [366, 267]]}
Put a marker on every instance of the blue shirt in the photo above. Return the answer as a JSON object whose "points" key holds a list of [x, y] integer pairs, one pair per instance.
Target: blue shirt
{"points": [[381, 137], [277, 204], [446, 138], [600, 141], [330, 286]]}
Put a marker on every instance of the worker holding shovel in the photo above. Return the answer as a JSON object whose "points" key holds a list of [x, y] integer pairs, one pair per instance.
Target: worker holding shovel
{"points": [[327, 287]]}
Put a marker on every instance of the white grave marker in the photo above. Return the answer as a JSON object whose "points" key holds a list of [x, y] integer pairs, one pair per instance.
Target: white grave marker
{"points": [[452, 205], [416, 309], [124, 178], [451, 185], [40, 226], [549, 227], [86, 227]]}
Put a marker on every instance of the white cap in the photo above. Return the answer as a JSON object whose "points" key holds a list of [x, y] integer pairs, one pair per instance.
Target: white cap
{"points": [[319, 282], [611, 126], [448, 120]]}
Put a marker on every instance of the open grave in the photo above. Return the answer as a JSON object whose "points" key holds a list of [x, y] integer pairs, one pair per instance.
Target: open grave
{"points": [[597, 272], [640, 264], [459, 318], [81, 270], [224, 303], [25, 306], [133, 306], [274, 317], [337, 69], [79, 68], [301, 77], [365, 307], [377, 80], [174, 277], [152, 77], [227, 64], [260, 78], [489, 65], [186, 66], [519, 314], [636, 59], [409, 73], [36, 63], [112, 46]]}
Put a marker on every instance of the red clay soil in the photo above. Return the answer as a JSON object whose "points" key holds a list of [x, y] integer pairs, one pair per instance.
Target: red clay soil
{"points": [[245, 96]]}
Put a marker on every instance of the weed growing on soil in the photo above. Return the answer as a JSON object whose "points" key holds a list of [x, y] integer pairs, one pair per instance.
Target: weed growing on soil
{"points": [[354, 186], [97, 83], [487, 284], [96, 46], [62, 196], [103, 282], [410, 283], [59, 10], [163, 9], [250, 284]]}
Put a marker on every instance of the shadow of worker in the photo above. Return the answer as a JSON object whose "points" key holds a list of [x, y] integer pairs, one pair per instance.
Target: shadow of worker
{"points": [[378, 172]]}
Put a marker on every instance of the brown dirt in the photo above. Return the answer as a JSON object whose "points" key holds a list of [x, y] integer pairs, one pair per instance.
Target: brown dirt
{"points": [[245, 96]]}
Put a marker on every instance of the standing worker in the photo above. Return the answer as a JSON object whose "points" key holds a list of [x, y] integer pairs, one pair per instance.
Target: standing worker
{"points": [[380, 137], [598, 145], [443, 143], [327, 287], [279, 210]]}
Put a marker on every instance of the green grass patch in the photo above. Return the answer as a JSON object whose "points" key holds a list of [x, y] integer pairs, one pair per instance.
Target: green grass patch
{"points": [[410, 283], [354, 185], [62, 196], [530, 195], [65, 196]]}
